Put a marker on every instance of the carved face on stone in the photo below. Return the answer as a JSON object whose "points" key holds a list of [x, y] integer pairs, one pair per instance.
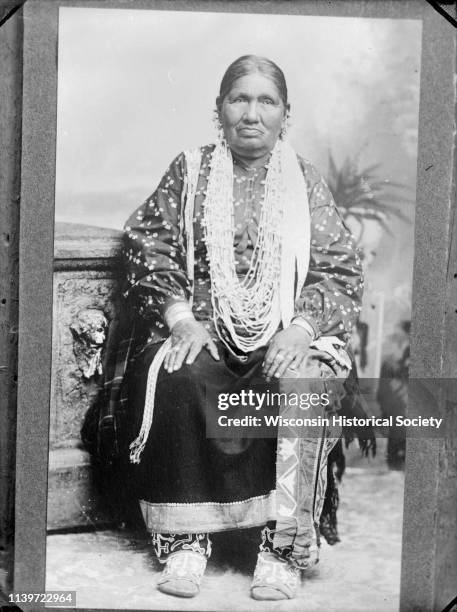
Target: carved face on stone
{"points": [[90, 326]]}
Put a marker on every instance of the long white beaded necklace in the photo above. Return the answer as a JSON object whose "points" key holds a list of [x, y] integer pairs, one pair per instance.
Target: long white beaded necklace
{"points": [[248, 307], [256, 304]]}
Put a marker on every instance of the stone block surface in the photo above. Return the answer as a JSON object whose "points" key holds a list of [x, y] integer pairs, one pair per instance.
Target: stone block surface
{"points": [[71, 392], [85, 286], [72, 497]]}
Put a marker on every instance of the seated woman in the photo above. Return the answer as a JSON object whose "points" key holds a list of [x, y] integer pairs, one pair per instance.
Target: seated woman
{"points": [[239, 266]]}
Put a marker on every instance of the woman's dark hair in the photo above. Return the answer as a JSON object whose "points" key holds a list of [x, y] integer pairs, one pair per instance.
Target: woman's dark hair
{"points": [[247, 64]]}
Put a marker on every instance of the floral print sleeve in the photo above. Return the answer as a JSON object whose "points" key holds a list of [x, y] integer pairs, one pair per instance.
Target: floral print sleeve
{"points": [[331, 298], [155, 257], [153, 250]]}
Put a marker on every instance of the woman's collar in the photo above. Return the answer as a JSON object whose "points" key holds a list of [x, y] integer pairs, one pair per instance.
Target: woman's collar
{"points": [[250, 165]]}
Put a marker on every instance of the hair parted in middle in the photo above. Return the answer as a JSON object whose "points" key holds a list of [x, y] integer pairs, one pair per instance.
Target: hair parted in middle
{"points": [[249, 64]]}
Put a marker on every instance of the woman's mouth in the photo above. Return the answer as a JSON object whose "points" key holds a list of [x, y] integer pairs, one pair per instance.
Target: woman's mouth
{"points": [[249, 131]]}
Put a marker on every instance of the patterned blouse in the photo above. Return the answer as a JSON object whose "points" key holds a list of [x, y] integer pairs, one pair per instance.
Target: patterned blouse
{"points": [[156, 261]]}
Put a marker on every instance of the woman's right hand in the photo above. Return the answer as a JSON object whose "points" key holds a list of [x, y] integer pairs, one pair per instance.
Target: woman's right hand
{"points": [[188, 337]]}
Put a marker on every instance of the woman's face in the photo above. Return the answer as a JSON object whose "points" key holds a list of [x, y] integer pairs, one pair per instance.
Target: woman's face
{"points": [[252, 115]]}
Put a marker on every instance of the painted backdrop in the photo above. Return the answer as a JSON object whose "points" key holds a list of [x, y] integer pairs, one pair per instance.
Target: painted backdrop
{"points": [[136, 87]]}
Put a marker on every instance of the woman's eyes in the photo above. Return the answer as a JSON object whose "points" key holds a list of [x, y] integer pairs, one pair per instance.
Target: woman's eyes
{"points": [[239, 100]]}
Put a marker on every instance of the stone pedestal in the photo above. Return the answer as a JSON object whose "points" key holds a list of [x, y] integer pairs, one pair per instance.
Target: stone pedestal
{"points": [[86, 289]]}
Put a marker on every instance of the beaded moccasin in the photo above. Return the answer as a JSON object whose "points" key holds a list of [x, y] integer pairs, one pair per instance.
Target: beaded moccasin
{"points": [[274, 578], [182, 574]]}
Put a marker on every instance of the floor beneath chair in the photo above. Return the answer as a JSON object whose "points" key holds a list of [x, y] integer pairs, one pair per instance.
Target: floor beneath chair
{"points": [[116, 570]]}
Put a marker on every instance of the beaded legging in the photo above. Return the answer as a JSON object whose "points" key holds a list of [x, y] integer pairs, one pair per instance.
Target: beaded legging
{"points": [[165, 544]]}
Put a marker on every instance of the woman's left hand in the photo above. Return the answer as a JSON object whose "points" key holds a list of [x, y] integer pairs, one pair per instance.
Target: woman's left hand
{"points": [[288, 349]]}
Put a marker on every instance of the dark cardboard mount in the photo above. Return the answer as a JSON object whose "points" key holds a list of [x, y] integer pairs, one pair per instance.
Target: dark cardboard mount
{"points": [[430, 519]]}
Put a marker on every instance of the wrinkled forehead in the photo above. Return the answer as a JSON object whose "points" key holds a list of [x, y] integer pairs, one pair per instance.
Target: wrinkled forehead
{"points": [[255, 83]]}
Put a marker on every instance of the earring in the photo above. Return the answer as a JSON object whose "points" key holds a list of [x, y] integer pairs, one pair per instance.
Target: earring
{"points": [[218, 126], [285, 127]]}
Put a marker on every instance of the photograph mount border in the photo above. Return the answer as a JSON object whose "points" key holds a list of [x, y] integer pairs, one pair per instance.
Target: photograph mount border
{"points": [[434, 291]]}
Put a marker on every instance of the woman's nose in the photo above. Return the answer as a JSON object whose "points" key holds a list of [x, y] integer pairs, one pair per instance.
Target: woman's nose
{"points": [[252, 113]]}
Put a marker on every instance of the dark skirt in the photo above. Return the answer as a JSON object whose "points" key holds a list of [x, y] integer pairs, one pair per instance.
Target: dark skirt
{"points": [[190, 483], [187, 482]]}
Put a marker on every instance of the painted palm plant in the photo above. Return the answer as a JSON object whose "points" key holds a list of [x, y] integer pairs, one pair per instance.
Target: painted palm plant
{"points": [[369, 205], [365, 199]]}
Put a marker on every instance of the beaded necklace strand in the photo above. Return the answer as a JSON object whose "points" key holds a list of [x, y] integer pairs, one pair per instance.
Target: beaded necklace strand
{"points": [[248, 307]]}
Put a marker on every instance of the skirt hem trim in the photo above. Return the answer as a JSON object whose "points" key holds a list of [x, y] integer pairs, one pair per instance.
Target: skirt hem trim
{"points": [[200, 517]]}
